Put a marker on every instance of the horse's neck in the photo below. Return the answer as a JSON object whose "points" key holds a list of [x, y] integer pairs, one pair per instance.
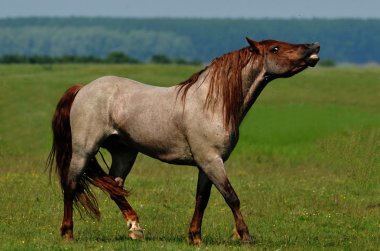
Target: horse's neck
{"points": [[254, 82]]}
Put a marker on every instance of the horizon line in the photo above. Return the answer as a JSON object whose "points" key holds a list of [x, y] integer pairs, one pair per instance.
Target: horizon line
{"points": [[184, 18]]}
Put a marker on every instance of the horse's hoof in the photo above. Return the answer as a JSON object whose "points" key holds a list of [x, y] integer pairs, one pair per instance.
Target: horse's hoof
{"points": [[135, 231], [68, 235], [196, 241], [194, 238], [136, 234], [247, 240], [235, 235]]}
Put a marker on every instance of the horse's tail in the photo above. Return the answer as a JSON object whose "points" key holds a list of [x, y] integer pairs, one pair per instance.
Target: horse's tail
{"points": [[61, 153], [61, 150]]}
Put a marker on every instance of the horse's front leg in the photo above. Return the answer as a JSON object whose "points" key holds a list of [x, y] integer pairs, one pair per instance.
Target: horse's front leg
{"points": [[213, 167], [202, 197]]}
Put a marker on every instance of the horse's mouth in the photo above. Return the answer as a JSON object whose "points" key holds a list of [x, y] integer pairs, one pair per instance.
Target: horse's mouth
{"points": [[312, 57]]}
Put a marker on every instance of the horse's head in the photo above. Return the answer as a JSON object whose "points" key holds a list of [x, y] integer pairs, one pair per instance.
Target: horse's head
{"points": [[282, 59]]}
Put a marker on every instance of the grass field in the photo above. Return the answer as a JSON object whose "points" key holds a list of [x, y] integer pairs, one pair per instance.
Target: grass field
{"points": [[306, 169]]}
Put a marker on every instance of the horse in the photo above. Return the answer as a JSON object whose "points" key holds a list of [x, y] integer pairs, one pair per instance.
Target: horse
{"points": [[193, 123]]}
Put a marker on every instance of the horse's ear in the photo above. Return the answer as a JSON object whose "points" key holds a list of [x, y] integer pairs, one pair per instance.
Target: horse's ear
{"points": [[254, 45]]}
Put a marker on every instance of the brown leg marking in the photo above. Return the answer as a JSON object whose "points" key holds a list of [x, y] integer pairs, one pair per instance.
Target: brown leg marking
{"points": [[202, 197], [213, 167], [130, 216], [234, 203], [114, 187], [67, 222]]}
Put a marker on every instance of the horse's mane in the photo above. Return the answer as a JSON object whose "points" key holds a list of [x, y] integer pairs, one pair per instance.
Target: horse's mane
{"points": [[225, 83]]}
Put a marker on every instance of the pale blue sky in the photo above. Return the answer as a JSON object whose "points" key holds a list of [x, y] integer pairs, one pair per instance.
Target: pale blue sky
{"points": [[193, 8]]}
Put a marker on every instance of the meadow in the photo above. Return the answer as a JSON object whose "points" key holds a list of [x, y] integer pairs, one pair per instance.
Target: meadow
{"points": [[306, 168]]}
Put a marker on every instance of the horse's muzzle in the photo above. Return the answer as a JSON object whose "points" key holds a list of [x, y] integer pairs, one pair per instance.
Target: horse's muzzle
{"points": [[312, 57]]}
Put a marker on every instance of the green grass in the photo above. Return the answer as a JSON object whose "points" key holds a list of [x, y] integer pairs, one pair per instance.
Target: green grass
{"points": [[306, 169]]}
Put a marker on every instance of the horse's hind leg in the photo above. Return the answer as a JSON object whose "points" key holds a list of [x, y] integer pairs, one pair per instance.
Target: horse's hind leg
{"points": [[67, 222], [123, 159], [77, 164], [121, 166], [130, 216]]}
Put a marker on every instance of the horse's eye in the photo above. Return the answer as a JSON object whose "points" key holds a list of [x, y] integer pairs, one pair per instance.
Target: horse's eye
{"points": [[275, 49]]}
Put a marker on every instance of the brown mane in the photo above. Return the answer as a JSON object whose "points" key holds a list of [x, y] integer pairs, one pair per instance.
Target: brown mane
{"points": [[225, 83]]}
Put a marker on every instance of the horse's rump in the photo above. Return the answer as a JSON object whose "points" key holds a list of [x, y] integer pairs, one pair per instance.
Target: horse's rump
{"points": [[61, 153]]}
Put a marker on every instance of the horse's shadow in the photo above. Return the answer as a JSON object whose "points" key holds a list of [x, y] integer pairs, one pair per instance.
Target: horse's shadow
{"points": [[174, 239], [105, 239]]}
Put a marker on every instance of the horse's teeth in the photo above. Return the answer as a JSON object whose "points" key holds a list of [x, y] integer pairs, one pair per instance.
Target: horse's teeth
{"points": [[314, 56]]}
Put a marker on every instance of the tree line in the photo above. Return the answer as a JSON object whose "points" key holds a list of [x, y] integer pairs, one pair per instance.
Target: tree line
{"points": [[112, 58], [342, 40]]}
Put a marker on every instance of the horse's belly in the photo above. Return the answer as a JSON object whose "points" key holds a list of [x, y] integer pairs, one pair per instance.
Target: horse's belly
{"points": [[169, 153], [180, 158], [167, 145]]}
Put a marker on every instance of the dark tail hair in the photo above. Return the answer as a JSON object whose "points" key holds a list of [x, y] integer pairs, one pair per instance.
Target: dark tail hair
{"points": [[61, 153], [61, 150]]}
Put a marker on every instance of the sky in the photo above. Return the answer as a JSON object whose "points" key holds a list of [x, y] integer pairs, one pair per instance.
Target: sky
{"points": [[193, 8]]}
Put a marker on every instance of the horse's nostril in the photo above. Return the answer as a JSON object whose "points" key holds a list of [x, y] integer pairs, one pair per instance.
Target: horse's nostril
{"points": [[312, 48], [316, 46]]}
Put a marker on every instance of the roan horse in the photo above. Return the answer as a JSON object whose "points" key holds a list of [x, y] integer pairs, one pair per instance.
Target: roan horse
{"points": [[194, 123]]}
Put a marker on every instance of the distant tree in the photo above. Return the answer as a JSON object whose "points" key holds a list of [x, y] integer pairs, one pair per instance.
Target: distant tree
{"points": [[195, 62], [327, 63], [13, 59], [160, 59], [66, 59], [88, 59], [180, 61], [118, 57], [36, 59]]}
